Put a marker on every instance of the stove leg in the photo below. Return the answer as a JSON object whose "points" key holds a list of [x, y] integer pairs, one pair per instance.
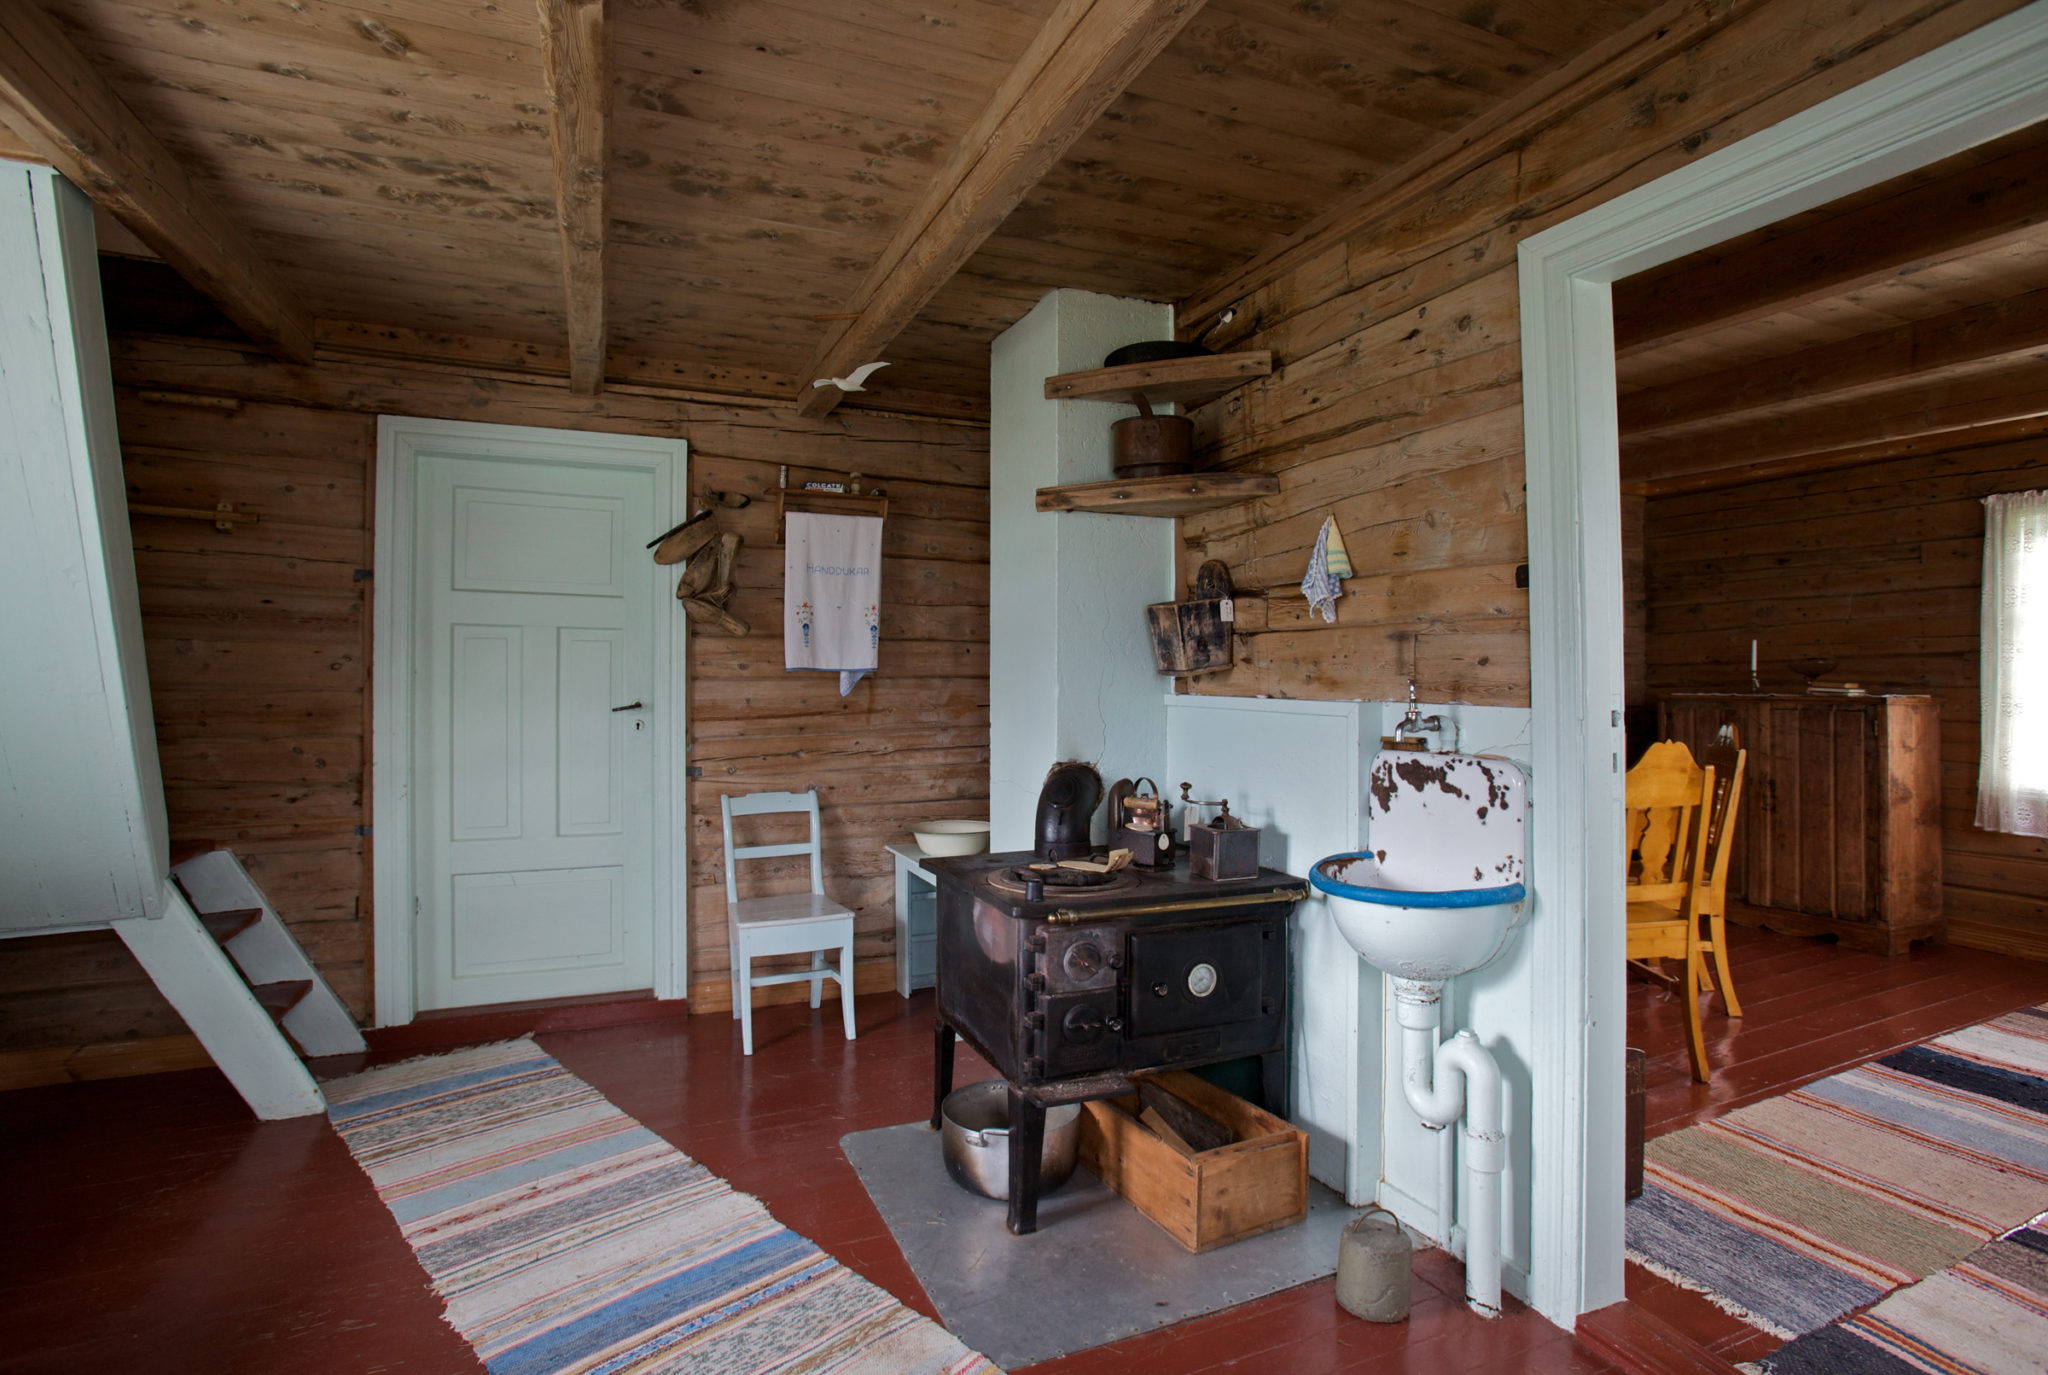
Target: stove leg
{"points": [[942, 1066], [1275, 1084], [1027, 1142]]}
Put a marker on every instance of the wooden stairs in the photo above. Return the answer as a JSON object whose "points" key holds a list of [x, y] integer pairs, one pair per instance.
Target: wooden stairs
{"points": [[226, 961]]}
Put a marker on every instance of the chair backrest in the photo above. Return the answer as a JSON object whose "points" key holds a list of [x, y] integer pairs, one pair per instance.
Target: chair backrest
{"points": [[1726, 762], [1669, 797], [766, 804]]}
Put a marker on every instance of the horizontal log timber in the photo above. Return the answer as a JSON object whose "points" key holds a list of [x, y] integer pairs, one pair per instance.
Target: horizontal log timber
{"points": [[1950, 407], [1936, 349], [1968, 208]]}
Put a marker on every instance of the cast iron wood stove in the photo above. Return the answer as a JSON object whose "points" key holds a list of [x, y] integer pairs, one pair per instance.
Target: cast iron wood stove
{"points": [[1068, 982]]}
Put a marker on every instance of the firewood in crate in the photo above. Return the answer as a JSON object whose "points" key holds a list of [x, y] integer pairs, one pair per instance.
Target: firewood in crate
{"points": [[1163, 1129], [1199, 1130]]}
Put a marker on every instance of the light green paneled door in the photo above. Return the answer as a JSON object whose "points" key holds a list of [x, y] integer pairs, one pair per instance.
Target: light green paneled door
{"points": [[532, 754]]}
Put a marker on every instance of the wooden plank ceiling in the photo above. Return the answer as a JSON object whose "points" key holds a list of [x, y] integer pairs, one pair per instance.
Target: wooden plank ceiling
{"points": [[395, 162], [1904, 319]]}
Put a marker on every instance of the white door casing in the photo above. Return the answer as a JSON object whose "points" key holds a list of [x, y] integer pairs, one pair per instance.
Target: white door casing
{"points": [[530, 842], [1976, 88]]}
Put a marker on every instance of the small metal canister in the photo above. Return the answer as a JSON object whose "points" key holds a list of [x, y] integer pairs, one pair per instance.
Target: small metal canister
{"points": [[1223, 848], [1375, 1268]]}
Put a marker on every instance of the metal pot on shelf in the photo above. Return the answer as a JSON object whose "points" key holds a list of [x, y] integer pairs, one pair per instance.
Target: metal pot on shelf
{"points": [[1148, 445]]}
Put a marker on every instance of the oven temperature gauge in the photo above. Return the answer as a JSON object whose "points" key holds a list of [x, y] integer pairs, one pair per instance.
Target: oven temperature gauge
{"points": [[1202, 980]]}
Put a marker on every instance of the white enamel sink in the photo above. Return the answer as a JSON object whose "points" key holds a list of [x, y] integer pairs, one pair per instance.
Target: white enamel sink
{"points": [[1440, 891]]}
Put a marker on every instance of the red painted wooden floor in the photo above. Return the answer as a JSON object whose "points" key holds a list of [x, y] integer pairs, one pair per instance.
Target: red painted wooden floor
{"points": [[150, 1225], [1810, 1009]]}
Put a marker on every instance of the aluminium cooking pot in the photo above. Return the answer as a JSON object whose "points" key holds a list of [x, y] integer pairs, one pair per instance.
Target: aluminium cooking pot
{"points": [[975, 1138]]}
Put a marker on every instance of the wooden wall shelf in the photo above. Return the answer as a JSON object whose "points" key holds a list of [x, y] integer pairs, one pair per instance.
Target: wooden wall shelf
{"points": [[1186, 381], [1158, 496]]}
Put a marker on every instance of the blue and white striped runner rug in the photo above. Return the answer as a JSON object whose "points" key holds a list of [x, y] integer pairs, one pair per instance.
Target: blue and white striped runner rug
{"points": [[565, 1237]]}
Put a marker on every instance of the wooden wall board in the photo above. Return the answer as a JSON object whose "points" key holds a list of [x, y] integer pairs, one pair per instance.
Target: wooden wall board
{"points": [[1879, 567], [1429, 462], [259, 653]]}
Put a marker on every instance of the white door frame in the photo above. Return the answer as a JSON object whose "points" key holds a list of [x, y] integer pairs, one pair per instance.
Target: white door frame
{"points": [[400, 440], [1985, 84]]}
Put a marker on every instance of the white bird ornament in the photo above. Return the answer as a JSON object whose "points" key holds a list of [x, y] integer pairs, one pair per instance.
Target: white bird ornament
{"points": [[852, 381]]}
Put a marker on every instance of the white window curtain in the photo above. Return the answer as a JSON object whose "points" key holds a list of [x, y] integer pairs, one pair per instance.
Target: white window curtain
{"points": [[2012, 779]]}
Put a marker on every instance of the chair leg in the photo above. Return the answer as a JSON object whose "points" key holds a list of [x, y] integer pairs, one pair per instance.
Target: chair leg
{"points": [[1688, 992], [732, 973], [846, 987], [1720, 924], [817, 979], [744, 1001]]}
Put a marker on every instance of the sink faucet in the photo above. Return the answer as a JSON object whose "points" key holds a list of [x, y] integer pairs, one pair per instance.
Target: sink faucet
{"points": [[1416, 726]]}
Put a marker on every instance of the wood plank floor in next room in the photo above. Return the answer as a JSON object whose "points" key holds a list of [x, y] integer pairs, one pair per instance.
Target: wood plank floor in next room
{"points": [[152, 1226]]}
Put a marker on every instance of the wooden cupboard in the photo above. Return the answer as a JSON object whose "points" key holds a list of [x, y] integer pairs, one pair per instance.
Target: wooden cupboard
{"points": [[1841, 811]]}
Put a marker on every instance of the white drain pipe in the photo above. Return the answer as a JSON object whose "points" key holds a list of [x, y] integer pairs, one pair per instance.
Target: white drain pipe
{"points": [[1443, 1083]]}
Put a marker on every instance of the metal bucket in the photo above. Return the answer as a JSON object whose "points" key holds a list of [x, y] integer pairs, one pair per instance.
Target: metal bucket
{"points": [[975, 1138]]}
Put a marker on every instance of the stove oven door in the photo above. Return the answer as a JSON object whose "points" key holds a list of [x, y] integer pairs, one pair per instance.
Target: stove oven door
{"points": [[1080, 1033], [1196, 977]]}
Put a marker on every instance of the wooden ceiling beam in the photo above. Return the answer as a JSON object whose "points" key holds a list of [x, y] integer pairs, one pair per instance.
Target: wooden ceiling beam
{"points": [[1077, 64], [1950, 407], [1798, 465], [1973, 339], [576, 45], [67, 113], [1973, 208]]}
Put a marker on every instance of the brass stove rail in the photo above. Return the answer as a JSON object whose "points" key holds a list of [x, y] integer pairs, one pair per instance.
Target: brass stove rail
{"points": [[1070, 916]]}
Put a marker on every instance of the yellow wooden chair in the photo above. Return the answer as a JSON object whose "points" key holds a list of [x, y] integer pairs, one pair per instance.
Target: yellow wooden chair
{"points": [[1725, 761], [1669, 799]]}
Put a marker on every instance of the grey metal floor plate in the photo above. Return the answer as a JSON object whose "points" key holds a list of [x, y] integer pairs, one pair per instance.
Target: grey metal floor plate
{"points": [[1095, 1271]]}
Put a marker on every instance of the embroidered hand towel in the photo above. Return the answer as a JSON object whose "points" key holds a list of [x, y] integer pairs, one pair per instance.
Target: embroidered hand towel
{"points": [[831, 594]]}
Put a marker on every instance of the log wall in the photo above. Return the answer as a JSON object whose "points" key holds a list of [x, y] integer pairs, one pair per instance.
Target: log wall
{"points": [[1397, 403], [1879, 567], [259, 650]]}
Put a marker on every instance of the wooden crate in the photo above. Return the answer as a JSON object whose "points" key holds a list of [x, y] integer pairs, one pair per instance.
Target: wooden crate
{"points": [[1258, 1183]]}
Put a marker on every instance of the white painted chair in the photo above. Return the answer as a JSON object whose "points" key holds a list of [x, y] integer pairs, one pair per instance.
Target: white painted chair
{"points": [[787, 924]]}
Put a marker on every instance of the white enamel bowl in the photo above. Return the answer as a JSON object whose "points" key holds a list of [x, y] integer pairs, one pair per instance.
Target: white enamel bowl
{"points": [[939, 838]]}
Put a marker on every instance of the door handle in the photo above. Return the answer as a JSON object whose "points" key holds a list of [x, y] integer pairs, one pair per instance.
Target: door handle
{"points": [[630, 706]]}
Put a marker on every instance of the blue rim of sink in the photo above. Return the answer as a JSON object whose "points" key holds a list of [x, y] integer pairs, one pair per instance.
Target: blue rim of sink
{"points": [[1401, 897]]}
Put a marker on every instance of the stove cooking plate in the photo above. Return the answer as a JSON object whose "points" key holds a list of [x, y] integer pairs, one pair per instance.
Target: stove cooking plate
{"points": [[1061, 881]]}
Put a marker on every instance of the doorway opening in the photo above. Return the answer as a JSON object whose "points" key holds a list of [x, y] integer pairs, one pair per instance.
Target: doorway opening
{"points": [[1981, 87]]}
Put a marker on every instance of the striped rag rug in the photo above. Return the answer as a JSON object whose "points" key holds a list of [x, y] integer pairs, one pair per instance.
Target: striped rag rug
{"points": [[1798, 1210], [563, 1236], [1987, 1314]]}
